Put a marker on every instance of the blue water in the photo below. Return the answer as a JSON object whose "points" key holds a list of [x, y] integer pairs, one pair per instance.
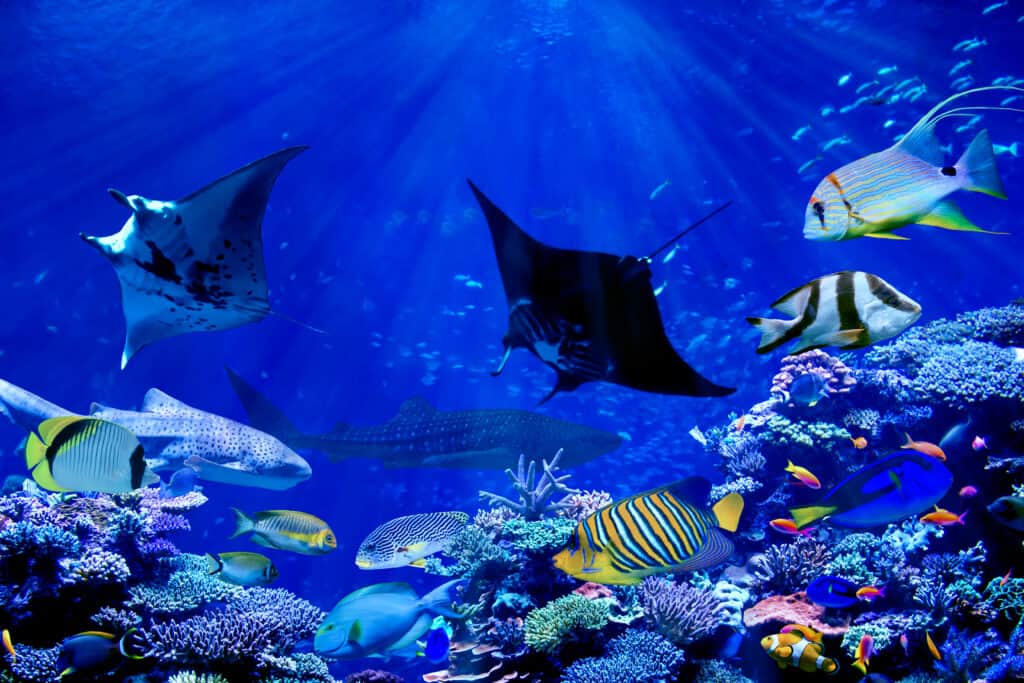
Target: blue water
{"points": [[577, 109]]}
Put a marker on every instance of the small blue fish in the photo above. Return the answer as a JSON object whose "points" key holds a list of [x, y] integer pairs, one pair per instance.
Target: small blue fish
{"points": [[182, 482], [658, 190], [438, 641], [833, 591], [807, 390], [844, 79]]}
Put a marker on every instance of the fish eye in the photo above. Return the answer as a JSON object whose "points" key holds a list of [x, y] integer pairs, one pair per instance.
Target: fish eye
{"points": [[370, 546]]}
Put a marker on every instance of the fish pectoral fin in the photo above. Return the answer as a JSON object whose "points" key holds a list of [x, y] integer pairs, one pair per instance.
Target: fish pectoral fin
{"points": [[355, 632], [504, 361], [844, 337], [806, 516], [886, 236], [419, 563], [948, 216]]}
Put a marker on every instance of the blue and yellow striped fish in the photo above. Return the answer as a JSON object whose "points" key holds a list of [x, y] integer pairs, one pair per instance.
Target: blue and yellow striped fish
{"points": [[906, 184], [669, 529]]}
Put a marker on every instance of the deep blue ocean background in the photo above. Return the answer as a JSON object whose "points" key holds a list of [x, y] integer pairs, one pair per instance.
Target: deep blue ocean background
{"points": [[567, 113]]}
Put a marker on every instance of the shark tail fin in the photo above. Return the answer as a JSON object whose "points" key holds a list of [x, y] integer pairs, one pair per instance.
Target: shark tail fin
{"points": [[263, 414]]}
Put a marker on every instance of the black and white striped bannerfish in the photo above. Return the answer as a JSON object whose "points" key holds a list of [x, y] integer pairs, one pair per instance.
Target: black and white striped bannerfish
{"points": [[849, 309], [85, 454], [669, 529]]}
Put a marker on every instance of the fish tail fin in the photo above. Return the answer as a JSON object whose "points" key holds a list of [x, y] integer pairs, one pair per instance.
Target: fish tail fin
{"points": [[1015, 149], [439, 601], [728, 510], [262, 413], [243, 523], [773, 332], [213, 563], [978, 164], [960, 519], [907, 441], [125, 641], [810, 514]]}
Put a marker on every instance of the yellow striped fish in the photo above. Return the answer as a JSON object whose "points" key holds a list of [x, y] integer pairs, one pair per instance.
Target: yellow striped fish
{"points": [[669, 529], [75, 453], [907, 183], [299, 532]]}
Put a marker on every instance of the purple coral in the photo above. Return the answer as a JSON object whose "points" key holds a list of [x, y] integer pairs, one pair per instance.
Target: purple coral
{"points": [[298, 619], [838, 377], [679, 611], [215, 638], [581, 505], [96, 566]]}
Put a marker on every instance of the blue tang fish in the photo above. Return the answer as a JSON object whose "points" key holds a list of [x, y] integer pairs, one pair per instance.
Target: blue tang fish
{"points": [[897, 486], [833, 591], [385, 619]]}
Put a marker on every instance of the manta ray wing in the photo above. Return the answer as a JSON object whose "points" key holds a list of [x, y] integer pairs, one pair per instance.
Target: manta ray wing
{"points": [[195, 264], [588, 315]]}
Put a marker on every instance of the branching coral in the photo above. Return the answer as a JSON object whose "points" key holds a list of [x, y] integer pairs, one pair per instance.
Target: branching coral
{"points": [[635, 656], [36, 665], [717, 671], [1006, 598], [562, 620], [542, 537], [579, 506], [534, 499], [791, 566], [679, 611], [184, 590]]}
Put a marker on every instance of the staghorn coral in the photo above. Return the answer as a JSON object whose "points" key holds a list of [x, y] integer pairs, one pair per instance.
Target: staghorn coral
{"points": [[636, 656], [741, 455], [562, 620], [184, 591], [216, 639], [116, 620], [534, 500], [193, 677], [679, 611], [297, 619], [947, 583], [493, 520], [1009, 667], [96, 566], [966, 655]]}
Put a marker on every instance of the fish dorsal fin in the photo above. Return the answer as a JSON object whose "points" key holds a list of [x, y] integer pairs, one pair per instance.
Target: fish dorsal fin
{"points": [[794, 301], [98, 634], [415, 407], [728, 510], [716, 550], [693, 490], [48, 429], [392, 588], [922, 143], [95, 407], [156, 401]]}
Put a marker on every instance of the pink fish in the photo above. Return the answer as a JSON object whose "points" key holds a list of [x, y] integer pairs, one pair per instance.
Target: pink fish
{"points": [[968, 492], [905, 643], [979, 443], [788, 526]]}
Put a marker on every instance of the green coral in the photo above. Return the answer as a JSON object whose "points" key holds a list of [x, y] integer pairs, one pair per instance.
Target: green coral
{"points": [[817, 435], [543, 537], [546, 629], [879, 632], [1006, 599], [717, 671], [193, 677]]}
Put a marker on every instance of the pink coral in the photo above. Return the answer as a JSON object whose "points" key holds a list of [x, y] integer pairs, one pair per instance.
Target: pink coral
{"points": [[838, 377], [582, 504], [779, 610], [593, 591]]}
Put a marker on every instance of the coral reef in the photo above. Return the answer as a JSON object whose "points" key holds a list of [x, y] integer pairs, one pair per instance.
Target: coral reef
{"points": [[637, 656], [679, 611], [778, 610], [534, 499], [837, 376], [565, 619]]}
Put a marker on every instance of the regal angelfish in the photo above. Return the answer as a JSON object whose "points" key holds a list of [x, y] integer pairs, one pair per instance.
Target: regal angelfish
{"points": [[849, 309]]}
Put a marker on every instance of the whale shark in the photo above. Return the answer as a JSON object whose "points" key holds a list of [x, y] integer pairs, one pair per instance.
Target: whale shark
{"points": [[420, 435], [195, 264], [174, 434]]}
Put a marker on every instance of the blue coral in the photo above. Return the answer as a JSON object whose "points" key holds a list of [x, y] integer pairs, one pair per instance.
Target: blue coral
{"points": [[680, 612], [636, 656], [968, 374]]}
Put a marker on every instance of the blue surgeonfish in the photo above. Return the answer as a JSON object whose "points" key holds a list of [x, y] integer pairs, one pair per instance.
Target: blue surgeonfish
{"points": [[94, 652], [182, 482], [668, 529], [408, 540], [885, 491], [385, 619], [76, 453]]}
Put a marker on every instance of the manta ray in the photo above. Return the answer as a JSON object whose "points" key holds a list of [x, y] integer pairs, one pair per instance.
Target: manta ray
{"points": [[195, 264], [590, 316]]}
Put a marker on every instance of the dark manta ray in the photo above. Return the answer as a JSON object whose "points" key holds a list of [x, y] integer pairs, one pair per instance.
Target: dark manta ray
{"points": [[195, 264], [590, 316]]}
